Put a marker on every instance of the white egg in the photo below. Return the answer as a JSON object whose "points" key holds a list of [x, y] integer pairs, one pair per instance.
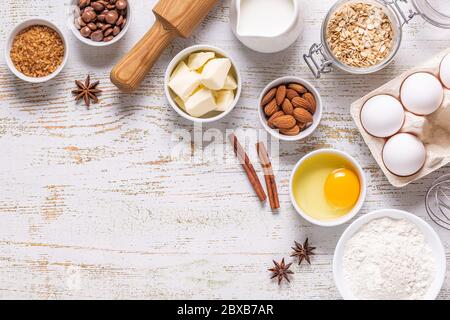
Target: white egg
{"points": [[445, 71], [382, 116], [404, 154], [422, 93]]}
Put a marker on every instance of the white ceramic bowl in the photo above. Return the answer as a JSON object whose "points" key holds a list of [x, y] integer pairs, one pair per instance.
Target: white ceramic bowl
{"points": [[268, 44], [74, 12], [18, 28], [183, 55], [362, 196], [317, 116], [431, 237]]}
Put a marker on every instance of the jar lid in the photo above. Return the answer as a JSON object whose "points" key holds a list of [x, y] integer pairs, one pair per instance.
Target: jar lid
{"points": [[436, 12]]}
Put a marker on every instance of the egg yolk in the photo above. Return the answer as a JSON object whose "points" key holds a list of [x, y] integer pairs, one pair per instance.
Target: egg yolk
{"points": [[342, 188]]}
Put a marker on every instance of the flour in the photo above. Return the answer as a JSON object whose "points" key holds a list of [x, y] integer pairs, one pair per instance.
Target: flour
{"points": [[388, 259]]}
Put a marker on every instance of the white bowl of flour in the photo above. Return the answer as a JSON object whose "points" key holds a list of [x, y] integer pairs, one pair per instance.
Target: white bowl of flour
{"points": [[389, 255]]}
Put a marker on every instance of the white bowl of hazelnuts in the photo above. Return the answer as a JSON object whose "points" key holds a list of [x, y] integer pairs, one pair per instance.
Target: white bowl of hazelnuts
{"points": [[99, 23], [290, 108]]}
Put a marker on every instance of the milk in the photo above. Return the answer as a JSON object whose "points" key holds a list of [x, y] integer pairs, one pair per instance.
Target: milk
{"points": [[265, 18]]}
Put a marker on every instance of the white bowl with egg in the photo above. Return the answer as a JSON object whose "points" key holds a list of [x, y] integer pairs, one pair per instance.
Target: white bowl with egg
{"points": [[22, 26], [172, 97], [302, 167], [317, 117], [431, 239]]}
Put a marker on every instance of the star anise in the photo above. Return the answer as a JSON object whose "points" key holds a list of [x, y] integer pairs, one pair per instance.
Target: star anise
{"points": [[281, 271], [303, 252], [87, 90]]}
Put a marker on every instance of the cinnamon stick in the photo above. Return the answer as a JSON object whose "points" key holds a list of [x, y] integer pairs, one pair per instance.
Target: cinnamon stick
{"points": [[269, 176], [248, 167]]}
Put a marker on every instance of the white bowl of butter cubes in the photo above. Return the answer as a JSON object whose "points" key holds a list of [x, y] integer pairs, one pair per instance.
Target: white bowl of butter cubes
{"points": [[202, 83]]}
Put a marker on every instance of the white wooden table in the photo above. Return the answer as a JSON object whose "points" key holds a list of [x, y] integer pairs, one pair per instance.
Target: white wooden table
{"points": [[93, 205]]}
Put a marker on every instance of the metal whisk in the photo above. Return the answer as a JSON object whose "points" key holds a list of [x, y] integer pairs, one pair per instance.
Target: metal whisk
{"points": [[437, 201]]}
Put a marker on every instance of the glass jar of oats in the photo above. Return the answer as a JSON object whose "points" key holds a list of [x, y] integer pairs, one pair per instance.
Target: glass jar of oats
{"points": [[364, 36]]}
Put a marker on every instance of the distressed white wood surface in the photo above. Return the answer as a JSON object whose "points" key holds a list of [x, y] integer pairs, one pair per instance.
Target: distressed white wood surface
{"points": [[93, 206]]}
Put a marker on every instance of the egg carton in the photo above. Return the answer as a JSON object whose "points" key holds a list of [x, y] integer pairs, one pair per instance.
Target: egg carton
{"points": [[433, 130]]}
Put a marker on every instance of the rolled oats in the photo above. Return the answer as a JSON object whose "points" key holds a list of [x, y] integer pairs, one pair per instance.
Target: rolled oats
{"points": [[360, 34]]}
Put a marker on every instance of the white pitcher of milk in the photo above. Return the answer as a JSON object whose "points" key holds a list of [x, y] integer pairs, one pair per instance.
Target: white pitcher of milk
{"points": [[266, 25]]}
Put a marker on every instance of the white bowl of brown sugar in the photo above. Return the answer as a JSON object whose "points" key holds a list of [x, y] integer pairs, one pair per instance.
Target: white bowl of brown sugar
{"points": [[36, 50]]}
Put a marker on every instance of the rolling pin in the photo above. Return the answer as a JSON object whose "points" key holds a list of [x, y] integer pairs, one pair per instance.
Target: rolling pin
{"points": [[174, 18]]}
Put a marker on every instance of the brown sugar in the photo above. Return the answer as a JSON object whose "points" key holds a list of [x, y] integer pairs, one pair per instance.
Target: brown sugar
{"points": [[37, 51]]}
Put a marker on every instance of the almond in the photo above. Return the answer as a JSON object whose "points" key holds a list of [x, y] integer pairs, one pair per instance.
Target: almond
{"points": [[288, 108], [301, 125], [297, 87], [281, 94], [299, 102], [303, 116], [312, 101], [274, 116], [291, 94], [284, 122], [269, 96], [271, 108], [295, 130]]}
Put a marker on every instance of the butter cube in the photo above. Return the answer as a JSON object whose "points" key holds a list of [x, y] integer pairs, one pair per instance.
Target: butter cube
{"points": [[224, 100], [184, 83], [215, 73], [200, 103], [181, 67], [180, 103], [198, 60], [230, 83]]}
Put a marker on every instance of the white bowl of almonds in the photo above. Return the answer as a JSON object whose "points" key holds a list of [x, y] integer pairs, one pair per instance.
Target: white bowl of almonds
{"points": [[290, 108], [202, 83]]}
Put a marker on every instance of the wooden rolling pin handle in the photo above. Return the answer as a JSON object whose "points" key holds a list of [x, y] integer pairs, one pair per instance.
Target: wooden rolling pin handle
{"points": [[132, 69]]}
